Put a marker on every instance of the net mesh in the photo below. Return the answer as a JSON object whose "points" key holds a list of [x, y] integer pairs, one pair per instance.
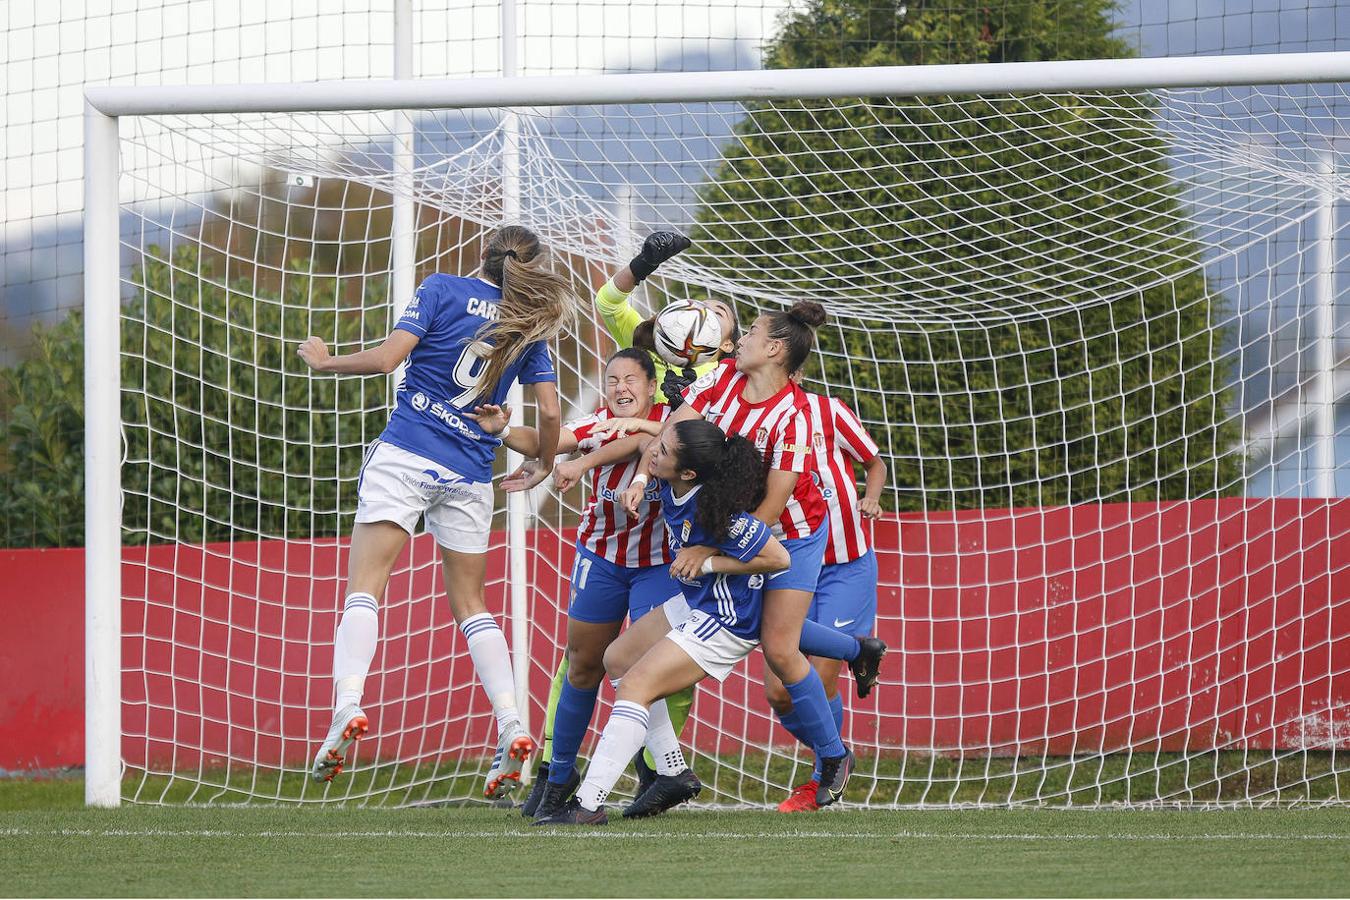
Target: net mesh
{"points": [[1094, 334]]}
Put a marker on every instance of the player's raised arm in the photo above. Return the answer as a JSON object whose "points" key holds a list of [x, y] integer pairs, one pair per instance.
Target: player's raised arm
{"points": [[495, 420], [567, 474], [549, 413], [380, 360], [633, 495]]}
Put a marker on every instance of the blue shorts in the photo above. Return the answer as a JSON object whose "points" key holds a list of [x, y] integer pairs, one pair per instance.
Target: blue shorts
{"points": [[603, 591], [846, 596], [806, 554]]}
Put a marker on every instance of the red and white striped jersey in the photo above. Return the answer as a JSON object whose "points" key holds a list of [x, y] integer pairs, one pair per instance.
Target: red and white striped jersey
{"points": [[780, 428], [606, 528], [839, 441]]}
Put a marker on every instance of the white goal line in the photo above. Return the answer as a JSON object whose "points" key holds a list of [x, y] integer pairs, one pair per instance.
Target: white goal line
{"points": [[591, 834]]}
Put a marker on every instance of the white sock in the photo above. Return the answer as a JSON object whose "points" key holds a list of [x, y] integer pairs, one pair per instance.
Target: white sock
{"points": [[622, 737], [663, 742], [492, 661], [354, 647]]}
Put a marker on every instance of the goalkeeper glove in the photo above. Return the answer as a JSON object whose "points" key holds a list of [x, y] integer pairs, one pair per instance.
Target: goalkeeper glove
{"points": [[673, 386], [659, 247]]}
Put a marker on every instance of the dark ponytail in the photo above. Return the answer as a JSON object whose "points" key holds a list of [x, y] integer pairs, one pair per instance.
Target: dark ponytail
{"points": [[644, 335], [796, 328], [730, 468]]}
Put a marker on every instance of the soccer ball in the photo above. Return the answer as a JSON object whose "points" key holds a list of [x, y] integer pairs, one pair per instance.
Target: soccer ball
{"points": [[687, 333]]}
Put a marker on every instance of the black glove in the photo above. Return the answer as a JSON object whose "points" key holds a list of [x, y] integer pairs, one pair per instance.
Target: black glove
{"points": [[659, 247], [673, 386]]}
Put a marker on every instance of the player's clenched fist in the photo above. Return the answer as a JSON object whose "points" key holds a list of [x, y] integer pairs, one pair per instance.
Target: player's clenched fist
{"points": [[632, 495], [315, 353]]}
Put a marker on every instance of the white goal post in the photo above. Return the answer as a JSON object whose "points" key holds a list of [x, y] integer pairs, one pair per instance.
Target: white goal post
{"points": [[107, 106]]}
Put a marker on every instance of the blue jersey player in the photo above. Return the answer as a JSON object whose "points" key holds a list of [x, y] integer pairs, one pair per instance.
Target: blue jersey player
{"points": [[466, 341], [709, 481]]}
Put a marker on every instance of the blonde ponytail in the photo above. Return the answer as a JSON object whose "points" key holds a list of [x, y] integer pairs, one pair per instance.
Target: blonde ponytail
{"points": [[537, 303]]}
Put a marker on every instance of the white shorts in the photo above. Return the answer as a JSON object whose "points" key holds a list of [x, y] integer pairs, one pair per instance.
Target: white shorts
{"points": [[708, 642], [398, 486]]}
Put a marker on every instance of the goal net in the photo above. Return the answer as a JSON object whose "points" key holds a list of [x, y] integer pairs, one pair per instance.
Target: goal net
{"points": [[1095, 335]]}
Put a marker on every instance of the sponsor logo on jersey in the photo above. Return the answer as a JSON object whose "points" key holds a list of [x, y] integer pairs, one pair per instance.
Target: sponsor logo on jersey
{"points": [[424, 404], [684, 531], [650, 493], [748, 538], [429, 481], [415, 302], [412, 315], [794, 448], [737, 527], [761, 438], [706, 379], [454, 421]]}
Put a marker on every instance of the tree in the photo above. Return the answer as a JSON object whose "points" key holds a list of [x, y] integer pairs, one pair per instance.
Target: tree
{"points": [[227, 434], [1116, 394]]}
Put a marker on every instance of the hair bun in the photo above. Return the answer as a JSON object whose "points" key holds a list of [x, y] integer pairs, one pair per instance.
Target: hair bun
{"points": [[808, 313]]}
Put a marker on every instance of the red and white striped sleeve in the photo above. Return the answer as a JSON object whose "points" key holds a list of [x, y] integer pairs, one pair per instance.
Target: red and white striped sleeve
{"points": [[581, 429], [710, 386], [791, 448], [850, 434]]}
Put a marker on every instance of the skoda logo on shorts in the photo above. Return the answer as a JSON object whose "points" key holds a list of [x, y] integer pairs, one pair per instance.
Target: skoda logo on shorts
{"points": [[420, 401]]}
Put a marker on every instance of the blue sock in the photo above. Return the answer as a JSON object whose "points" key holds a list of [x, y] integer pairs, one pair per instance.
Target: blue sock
{"points": [[793, 723], [819, 640], [813, 710], [575, 708], [836, 707]]}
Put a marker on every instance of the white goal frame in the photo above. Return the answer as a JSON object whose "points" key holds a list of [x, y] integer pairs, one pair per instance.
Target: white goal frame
{"points": [[104, 106]]}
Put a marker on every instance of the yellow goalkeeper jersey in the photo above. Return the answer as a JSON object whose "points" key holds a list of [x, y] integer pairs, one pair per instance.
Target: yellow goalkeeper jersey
{"points": [[621, 319]]}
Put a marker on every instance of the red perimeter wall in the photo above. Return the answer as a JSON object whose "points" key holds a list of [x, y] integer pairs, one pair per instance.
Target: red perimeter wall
{"points": [[1155, 625]]}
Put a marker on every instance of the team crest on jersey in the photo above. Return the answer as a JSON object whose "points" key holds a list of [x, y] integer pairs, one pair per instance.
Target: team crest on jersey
{"points": [[818, 441], [761, 438], [684, 532], [420, 401]]}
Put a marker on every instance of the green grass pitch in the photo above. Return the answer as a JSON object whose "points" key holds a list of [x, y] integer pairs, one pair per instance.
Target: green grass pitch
{"points": [[50, 845]]}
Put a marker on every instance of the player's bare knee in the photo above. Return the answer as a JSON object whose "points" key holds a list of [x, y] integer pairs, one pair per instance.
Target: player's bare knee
{"points": [[616, 664], [585, 668], [778, 698], [782, 657]]}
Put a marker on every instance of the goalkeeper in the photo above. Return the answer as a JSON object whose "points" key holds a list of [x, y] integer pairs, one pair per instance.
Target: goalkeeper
{"points": [[629, 329]]}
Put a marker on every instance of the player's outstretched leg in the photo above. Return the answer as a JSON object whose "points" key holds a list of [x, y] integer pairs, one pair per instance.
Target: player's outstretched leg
{"points": [[531, 804], [358, 634], [349, 726], [834, 774], [514, 746], [674, 782], [866, 666]]}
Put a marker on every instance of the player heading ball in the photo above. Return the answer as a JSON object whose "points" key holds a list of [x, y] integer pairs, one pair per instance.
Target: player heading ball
{"points": [[466, 341]]}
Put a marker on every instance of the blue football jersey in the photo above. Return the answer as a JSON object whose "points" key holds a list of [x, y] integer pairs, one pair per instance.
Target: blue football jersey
{"points": [[440, 382], [734, 600]]}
